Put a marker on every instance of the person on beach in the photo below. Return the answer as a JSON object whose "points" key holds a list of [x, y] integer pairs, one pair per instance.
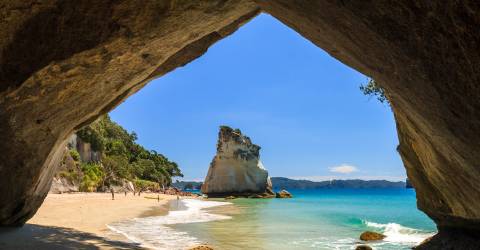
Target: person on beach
{"points": [[125, 193], [113, 193]]}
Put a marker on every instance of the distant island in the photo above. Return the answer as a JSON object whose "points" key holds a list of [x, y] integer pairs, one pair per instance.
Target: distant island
{"points": [[188, 185], [286, 183]]}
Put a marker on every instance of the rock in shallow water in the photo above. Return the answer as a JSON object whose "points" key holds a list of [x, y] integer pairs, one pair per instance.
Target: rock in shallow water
{"points": [[283, 194], [363, 247], [368, 236], [236, 169]]}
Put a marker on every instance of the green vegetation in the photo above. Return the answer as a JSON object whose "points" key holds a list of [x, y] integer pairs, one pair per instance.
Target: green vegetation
{"points": [[92, 177], [122, 158], [144, 184], [373, 89], [74, 154]]}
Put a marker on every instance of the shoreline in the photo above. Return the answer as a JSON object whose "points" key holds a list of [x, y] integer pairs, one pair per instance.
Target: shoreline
{"points": [[79, 220], [162, 232]]}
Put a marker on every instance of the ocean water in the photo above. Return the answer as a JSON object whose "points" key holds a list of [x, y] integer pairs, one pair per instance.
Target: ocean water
{"points": [[313, 219]]}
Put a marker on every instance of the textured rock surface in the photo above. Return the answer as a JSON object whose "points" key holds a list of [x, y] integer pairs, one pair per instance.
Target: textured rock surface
{"points": [[84, 149], [451, 240], [426, 54], [283, 194], [60, 184], [63, 63], [236, 168], [369, 235]]}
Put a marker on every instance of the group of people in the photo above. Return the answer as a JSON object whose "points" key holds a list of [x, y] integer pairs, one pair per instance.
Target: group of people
{"points": [[112, 191], [169, 191]]}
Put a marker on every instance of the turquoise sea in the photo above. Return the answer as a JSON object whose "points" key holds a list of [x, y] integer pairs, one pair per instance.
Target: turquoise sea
{"points": [[313, 219]]}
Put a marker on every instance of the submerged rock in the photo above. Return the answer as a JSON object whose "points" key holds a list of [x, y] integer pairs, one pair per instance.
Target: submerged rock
{"points": [[202, 247], [236, 169], [369, 236], [363, 247], [283, 194]]}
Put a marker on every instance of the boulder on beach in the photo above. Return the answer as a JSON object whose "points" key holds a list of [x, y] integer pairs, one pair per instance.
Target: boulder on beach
{"points": [[370, 236], [283, 194], [363, 247], [236, 168]]}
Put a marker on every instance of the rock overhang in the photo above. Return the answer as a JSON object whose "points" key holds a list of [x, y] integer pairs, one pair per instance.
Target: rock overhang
{"points": [[424, 54]]}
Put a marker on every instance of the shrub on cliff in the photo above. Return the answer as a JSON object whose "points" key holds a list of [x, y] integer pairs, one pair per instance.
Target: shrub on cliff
{"points": [[123, 158], [74, 154], [374, 90], [146, 185], [92, 177]]}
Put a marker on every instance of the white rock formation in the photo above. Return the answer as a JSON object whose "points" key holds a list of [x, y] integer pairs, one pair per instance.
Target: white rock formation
{"points": [[236, 169]]}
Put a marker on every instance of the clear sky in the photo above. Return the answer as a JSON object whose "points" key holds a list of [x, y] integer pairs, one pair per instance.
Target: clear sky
{"points": [[303, 107]]}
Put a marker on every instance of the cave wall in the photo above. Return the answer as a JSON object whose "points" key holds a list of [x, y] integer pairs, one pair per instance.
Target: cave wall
{"points": [[426, 54], [63, 63]]}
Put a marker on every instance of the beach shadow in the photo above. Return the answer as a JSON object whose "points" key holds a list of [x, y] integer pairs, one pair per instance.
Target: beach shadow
{"points": [[48, 237]]}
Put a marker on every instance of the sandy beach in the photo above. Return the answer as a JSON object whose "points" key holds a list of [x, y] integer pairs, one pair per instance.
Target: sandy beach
{"points": [[79, 221]]}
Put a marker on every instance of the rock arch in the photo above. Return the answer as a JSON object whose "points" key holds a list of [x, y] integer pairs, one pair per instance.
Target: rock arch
{"points": [[63, 63]]}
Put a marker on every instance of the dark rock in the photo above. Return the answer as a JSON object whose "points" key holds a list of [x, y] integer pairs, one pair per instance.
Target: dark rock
{"points": [[363, 247], [283, 194], [369, 236], [452, 239]]}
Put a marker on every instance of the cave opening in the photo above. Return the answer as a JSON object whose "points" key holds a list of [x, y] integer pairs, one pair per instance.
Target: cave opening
{"points": [[302, 106], [60, 74]]}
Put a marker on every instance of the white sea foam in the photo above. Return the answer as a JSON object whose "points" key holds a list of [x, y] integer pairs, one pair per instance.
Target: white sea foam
{"points": [[400, 234], [153, 232]]}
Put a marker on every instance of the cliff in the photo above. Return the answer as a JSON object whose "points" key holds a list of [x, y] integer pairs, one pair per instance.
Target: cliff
{"points": [[236, 169], [68, 176]]}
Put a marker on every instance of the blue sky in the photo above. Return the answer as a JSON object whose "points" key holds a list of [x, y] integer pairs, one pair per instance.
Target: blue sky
{"points": [[303, 107]]}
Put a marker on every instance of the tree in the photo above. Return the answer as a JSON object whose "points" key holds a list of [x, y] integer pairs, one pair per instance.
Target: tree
{"points": [[123, 157], [372, 89]]}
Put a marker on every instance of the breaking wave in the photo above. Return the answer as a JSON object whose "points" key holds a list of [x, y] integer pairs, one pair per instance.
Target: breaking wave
{"points": [[154, 232], [400, 234]]}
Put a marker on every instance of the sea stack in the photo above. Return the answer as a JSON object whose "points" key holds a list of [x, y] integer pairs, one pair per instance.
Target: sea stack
{"points": [[236, 169]]}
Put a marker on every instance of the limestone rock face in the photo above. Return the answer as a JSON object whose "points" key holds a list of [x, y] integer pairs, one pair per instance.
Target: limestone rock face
{"points": [[84, 149], [426, 57], [62, 184], [236, 168], [65, 63]]}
